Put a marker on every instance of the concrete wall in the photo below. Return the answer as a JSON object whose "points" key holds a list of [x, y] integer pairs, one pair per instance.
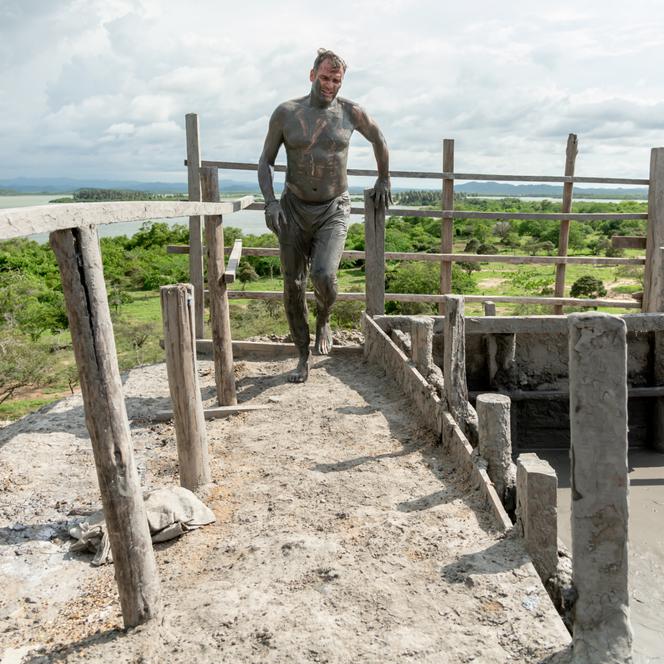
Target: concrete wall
{"points": [[539, 362]]}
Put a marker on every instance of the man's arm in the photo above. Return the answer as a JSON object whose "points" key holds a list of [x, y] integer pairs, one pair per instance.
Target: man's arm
{"points": [[369, 129], [274, 216]]}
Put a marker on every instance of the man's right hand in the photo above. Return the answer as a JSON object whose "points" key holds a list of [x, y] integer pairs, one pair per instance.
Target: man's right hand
{"points": [[275, 219]]}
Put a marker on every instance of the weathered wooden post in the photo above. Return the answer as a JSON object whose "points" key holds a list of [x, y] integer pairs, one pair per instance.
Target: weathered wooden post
{"points": [[653, 292], [177, 308], [222, 343], [495, 443], [421, 335], [454, 367], [79, 259], [195, 240], [563, 238], [447, 225], [374, 261], [600, 485]]}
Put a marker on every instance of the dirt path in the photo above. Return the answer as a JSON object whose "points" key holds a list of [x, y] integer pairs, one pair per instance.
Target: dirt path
{"points": [[342, 535]]}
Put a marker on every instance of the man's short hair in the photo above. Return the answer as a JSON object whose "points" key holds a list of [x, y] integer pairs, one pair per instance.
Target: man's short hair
{"points": [[335, 60]]}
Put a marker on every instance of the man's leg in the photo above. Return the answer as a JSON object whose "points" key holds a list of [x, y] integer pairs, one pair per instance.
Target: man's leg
{"points": [[293, 253], [326, 253]]}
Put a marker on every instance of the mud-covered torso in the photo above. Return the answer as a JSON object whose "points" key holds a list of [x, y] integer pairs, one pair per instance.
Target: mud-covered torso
{"points": [[316, 141]]}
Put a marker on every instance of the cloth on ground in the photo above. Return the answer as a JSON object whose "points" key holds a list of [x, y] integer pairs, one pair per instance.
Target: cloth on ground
{"points": [[171, 512]]}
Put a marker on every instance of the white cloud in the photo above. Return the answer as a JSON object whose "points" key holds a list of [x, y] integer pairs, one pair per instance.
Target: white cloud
{"points": [[100, 87]]}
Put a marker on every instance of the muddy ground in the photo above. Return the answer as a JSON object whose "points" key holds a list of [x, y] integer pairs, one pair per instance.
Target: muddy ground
{"points": [[342, 535]]}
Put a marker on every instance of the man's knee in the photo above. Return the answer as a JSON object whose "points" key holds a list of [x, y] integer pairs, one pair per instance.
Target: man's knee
{"points": [[325, 285]]}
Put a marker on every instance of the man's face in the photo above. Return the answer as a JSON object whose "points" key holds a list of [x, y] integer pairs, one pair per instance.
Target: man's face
{"points": [[326, 82]]}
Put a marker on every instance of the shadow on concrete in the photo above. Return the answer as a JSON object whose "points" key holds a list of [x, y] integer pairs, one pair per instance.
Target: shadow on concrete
{"points": [[424, 503], [502, 556], [358, 461], [64, 653]]}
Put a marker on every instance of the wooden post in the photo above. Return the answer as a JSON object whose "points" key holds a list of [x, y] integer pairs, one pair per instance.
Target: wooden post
{"points": [[653, 293], [195, 241], [563, 238], [600, 487], [489, 308], [222, 343], [177, 308], [447, 225], [79, 259], [454, 367], [374, 262]]}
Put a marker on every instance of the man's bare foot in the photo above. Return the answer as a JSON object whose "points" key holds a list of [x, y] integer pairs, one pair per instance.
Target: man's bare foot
{"points": [[323, 344], [301, 372]]}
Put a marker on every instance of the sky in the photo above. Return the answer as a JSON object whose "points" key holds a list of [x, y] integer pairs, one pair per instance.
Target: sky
{"points": [[100, 89]]}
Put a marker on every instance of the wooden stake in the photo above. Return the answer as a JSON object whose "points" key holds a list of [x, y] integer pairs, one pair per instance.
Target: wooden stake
{"points": [[653, 294], [79, 259], [447, 226], [222, 343], [374, 246], [563, 241], [177, 308], [195, 240]]}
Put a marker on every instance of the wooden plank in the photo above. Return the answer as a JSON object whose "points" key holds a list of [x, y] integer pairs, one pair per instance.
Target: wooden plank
{"points": [[447, 226], [628, 242], [211, 413], [653, 295], [195, 230], [374, 243], [19, 222], [566, 207], [177, 307], [269, 349], [418, 297], [437, 175], [467, 258], [79, 259], [233, 261], [224, 376], [474, 214]]}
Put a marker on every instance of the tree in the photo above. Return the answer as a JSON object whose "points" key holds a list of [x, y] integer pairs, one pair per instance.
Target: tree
{"points": [[588, 286], [246, 273]]}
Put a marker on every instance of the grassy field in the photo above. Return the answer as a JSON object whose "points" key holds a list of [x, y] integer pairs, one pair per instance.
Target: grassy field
{"points": [[138, 326]]}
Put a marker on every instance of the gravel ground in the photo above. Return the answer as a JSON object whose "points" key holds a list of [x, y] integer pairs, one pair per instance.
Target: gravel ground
{"points": [[342, 534]]}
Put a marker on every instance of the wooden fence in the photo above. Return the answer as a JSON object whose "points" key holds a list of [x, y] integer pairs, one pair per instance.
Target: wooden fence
{"points": [[375, 254]]}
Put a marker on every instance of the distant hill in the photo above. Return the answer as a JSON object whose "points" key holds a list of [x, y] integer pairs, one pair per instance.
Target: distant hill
{"points": [[68, 185]]}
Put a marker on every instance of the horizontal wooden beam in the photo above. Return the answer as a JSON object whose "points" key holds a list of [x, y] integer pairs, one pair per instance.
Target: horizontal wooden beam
{"points": [[247, 350], [436, 258], [210, 413], [438, 175], [504, 216], [236, 253], [419, 297], [19, 222], [628, 242]]}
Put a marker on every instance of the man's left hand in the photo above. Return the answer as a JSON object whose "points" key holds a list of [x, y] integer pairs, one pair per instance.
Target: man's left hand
{"points": [[382, 193]]}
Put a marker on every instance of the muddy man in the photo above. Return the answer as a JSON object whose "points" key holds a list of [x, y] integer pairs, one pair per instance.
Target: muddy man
{"points": [[311, 219]]}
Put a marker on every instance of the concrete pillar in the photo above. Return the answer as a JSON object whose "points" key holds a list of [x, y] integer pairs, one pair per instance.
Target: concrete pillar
{"points": [[536, 512], [495, 442], [421, 336], [599, 480], [489, 308], [454, 367]]}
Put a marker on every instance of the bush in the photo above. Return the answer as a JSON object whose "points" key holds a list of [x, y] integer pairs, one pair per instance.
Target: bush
{"points": [[487, 248], [588, 286], [472, 245], [346, 314]]}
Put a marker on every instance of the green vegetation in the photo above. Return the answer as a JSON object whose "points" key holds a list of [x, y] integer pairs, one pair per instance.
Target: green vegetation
{"points": [[36, 363]]}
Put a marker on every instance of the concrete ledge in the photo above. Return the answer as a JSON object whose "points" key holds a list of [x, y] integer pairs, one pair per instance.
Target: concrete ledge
{"points": [[379, 349]]}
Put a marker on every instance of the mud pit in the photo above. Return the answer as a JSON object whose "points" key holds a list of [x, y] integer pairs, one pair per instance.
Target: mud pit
{"points": [[342, 535]]}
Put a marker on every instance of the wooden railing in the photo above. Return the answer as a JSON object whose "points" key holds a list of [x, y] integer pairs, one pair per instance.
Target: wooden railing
{"points": [[375, 255]]}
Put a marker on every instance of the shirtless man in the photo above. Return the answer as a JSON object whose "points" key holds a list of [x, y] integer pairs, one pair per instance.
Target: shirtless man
{"points": [[311, 219]]}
